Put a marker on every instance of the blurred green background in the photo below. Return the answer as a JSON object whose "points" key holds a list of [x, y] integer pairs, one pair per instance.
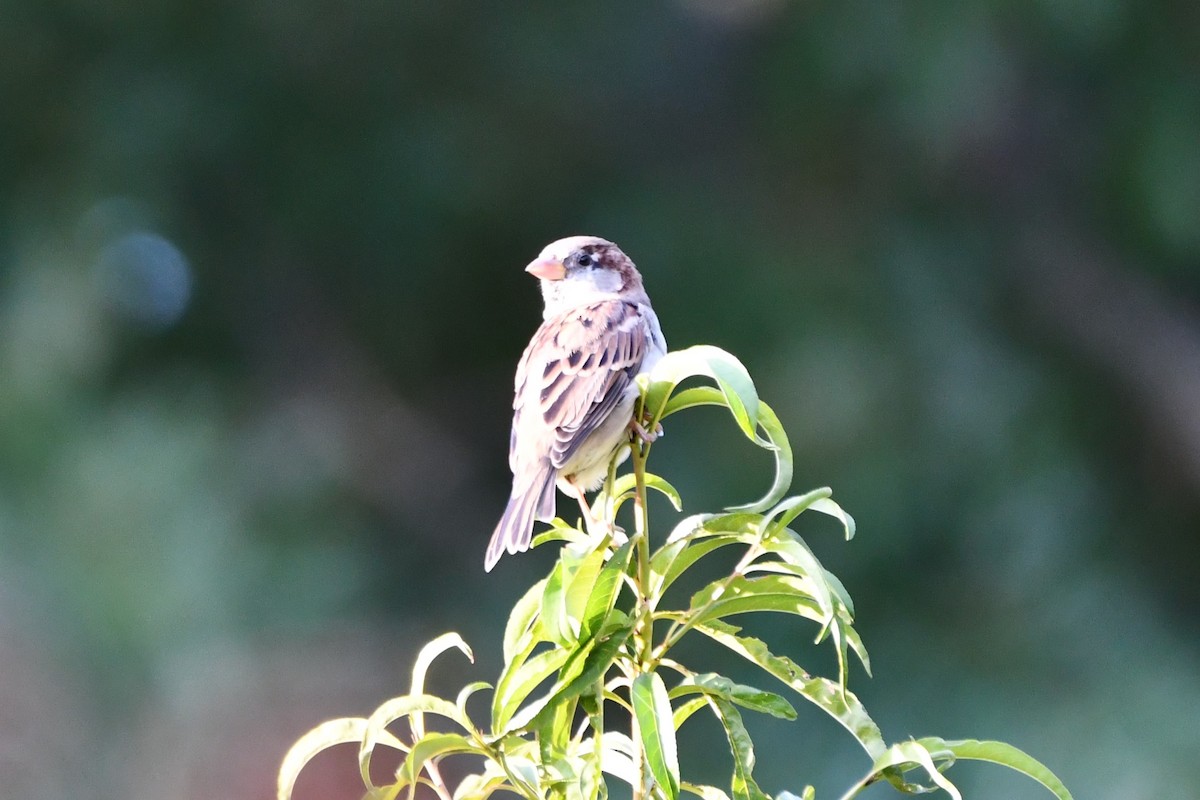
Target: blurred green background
{"points": [[261, 300]]}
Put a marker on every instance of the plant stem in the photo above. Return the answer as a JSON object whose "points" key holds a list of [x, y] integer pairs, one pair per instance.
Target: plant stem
{"points": [[644, 635]]}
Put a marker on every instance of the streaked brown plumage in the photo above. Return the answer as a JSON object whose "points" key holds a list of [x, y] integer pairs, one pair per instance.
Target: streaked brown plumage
{"points": [[574, 388]]}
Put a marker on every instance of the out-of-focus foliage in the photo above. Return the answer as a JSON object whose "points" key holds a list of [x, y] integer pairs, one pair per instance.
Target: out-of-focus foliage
{"points": [[261, 299]]}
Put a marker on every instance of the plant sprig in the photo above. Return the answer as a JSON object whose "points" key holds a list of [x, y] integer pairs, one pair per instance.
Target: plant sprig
{"points": [[582, 640]]}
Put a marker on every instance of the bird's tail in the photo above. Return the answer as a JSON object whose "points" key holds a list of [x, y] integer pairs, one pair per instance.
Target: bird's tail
{"points": [[534, 500]]}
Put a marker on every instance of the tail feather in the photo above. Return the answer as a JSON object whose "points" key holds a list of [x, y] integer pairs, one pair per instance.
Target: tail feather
{"points": [[534, 500]]}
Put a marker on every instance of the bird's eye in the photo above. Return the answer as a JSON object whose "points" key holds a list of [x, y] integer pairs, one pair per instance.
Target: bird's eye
{"points": [[585, 260]]}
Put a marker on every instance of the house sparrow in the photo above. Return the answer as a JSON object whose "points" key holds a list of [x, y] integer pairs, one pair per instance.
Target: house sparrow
{"points": [[575, 389]]}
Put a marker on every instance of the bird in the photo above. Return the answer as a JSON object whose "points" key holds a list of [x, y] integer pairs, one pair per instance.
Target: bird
{"points": [[574, 391]]}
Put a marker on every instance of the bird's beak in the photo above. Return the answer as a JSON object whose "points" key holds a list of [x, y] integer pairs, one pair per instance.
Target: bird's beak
{"points": [[548, 269]]}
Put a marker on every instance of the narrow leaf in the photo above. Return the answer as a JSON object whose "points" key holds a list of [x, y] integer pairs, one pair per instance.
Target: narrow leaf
{"points": [[782, 448], [776, 440], [625, 485], [579, 591], [421, 666], [516, 684], [322, 737], [827, 506], [606, 588], [827, 695], [731, 377], [743, 785], [520, 622], [431, 746], [703, 792], [556, 622], [652, 709], [999, 753], [408, 705]]}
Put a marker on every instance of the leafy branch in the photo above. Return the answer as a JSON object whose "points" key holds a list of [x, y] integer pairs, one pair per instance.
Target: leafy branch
{"points": [[581, 642]]}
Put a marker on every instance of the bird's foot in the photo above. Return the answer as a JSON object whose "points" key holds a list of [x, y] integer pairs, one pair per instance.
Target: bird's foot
{"points": [[643, 434]]}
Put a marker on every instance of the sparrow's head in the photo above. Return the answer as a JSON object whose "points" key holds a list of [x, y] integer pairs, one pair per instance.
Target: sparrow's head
{"points": [[584, 269]]}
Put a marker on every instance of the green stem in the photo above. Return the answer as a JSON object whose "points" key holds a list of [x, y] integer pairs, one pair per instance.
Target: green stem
{"points": [[678, 629], [644, 635]]}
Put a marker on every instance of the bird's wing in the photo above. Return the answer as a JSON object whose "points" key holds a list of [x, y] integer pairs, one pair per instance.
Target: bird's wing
{"points": [[581, 363]]}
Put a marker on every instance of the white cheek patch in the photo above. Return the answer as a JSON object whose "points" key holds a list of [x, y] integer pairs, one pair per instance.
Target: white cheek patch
{"points": [[606, 280]]}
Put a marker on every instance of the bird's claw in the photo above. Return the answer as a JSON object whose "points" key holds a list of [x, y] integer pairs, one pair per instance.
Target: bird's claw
{"points": [[645, 435]]}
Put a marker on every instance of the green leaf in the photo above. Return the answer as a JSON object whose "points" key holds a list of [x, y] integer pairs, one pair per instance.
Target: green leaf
{"points": [[743, 786], [777, 593], [579, 591], [519, 630], [998, 753], [411, 706], [745, 696], [553, 728], [560, 531], [782, 514], [477, 787], [607, 586], [519, 680], [424, 658], [732, 379], [827, 506], [432, 746], [322, 737], [702, 791], [905, 757], [791, 548], [674, 558], [783, 462], [461, 702], [652, 709], [584, 665], [827, 695], [556, 622], [776, 440], [685, 710], [624, 487]]}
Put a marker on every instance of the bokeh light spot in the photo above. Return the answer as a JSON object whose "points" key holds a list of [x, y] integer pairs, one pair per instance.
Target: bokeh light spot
{"points": [[145, 278]]}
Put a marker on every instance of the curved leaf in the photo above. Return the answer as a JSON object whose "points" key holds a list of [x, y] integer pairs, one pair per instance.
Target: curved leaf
{"points": [[743, 785], [556, 621], [518, 631], [998, 753], [421, 666], [519, 680], [432, 746], [776, 440], [579, 591], [783, 462], [582, 667], [322, 737], [830, 697], [775, 593], [411, 706], [703, 792], [904, 757], [624, 486], [745, 696], [674, 558], [731, 377], [460, 702]]}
